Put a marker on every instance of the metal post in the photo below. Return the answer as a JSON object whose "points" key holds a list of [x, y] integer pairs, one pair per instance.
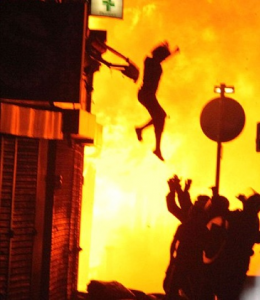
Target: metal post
{"points": [[219, 147], [218, 167]]}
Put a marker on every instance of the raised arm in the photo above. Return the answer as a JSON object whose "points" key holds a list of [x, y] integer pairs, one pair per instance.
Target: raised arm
{"points": [[172, 206]]}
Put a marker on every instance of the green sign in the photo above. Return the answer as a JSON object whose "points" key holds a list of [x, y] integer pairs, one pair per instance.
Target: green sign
{"points": [[107, 8]]}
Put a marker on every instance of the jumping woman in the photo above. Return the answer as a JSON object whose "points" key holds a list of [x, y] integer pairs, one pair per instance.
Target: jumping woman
{"points": [[147, 94]]}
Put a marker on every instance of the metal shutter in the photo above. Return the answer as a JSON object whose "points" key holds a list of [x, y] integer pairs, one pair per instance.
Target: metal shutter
{"points": [[18, 186]]}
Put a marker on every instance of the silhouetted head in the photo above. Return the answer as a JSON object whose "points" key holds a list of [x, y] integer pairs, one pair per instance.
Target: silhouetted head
{"points": [[161, 52], [218, 205], [198, 209], [252, 203], [202, 201]]}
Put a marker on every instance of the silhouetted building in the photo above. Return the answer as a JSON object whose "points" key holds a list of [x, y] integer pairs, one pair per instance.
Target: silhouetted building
{"points": [[44, 127]]}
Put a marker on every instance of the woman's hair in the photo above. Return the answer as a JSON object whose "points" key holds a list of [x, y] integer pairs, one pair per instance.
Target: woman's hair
{"points": [[162, 51]]}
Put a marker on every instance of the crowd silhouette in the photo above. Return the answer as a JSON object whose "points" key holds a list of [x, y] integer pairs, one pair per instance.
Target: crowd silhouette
{"points": [[211, 248]]}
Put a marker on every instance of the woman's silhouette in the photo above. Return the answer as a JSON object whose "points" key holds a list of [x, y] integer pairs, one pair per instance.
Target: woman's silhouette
{"points": [[147, 94]]}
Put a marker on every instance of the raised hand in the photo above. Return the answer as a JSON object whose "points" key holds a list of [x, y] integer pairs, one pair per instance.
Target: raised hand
{"points": [[174, 183]]}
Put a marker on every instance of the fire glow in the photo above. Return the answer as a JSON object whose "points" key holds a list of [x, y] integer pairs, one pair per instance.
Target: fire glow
{"points": [[126, 229]]}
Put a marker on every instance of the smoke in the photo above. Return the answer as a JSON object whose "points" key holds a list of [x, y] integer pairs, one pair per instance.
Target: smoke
{"points": [[219, 43]]}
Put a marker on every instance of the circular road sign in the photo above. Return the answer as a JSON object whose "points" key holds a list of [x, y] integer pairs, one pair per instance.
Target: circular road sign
{"points": [[222, 119]]}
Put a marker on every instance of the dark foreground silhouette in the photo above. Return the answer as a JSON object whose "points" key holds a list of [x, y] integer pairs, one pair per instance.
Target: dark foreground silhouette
{"points": [[211, 249]]}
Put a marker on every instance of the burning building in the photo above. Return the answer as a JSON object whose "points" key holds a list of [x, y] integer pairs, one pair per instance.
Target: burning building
{"points": [[44, 128], [49, 125]]}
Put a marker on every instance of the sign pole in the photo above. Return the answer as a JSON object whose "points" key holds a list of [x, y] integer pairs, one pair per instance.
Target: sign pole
{"points": [[219, 145], [218, 167], [222, 120]]}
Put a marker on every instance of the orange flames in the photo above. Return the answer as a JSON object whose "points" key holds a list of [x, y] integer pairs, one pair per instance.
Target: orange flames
{"points": [[126, 228]]}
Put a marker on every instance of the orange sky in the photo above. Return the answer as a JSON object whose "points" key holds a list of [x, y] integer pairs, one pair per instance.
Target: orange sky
{"points": [[219, 43]]}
